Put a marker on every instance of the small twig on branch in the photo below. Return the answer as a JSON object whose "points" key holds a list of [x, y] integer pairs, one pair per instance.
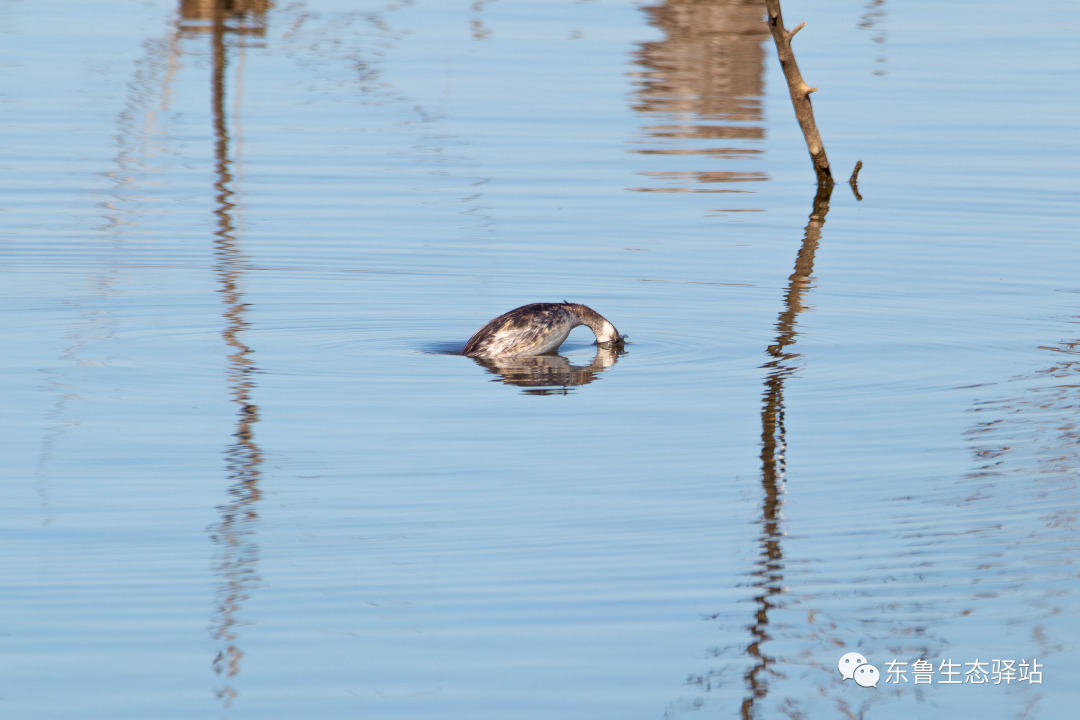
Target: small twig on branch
{"points": [[853, 181], [800, 91]]}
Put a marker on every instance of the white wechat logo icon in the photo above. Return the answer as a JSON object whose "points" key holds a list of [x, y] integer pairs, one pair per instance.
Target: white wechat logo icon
{"points": [[866, 675], [848, 663]]}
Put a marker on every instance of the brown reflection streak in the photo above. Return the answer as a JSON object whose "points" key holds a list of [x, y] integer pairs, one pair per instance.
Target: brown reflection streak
{"points": [[723, 153], [234, 533], [705, 132], [709, 65], [549, 374], [237, 17], [478, 30], [770, 567], [709, 177], [706, 77], [873, 19]]}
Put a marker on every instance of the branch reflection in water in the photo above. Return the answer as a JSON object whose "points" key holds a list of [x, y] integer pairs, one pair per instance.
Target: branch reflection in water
{"points": [[706, 80], [234, 533], [549, 374], [768, 572]]}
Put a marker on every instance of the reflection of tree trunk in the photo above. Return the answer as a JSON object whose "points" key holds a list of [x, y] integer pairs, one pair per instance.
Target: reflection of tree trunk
{"points": [[247, 16], [800, 278], [238, 552], [706, 77], [769, 571], [710, 64]]}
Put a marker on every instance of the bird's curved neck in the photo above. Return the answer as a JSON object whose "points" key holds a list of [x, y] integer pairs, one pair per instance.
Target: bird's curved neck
{"points": [[602, 329]]}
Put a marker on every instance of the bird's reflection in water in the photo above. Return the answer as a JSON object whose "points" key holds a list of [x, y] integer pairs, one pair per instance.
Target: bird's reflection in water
{"points": [[549, 374]]}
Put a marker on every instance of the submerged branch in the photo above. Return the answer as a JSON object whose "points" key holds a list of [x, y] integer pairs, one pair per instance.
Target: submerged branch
{"points": [[853, 181]]}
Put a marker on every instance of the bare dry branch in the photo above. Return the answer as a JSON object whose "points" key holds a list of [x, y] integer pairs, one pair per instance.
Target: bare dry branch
{"points": [[799, 90]]}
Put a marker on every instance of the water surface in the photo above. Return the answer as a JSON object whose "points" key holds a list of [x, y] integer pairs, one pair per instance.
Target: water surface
{"points": [[248, 476]]}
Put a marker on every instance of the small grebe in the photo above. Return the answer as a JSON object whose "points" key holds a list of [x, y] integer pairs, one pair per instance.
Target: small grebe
{"points": [[536, 329]]}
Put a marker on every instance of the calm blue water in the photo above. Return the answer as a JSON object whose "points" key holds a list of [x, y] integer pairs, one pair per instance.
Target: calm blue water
{"points": [[247, 476]]}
